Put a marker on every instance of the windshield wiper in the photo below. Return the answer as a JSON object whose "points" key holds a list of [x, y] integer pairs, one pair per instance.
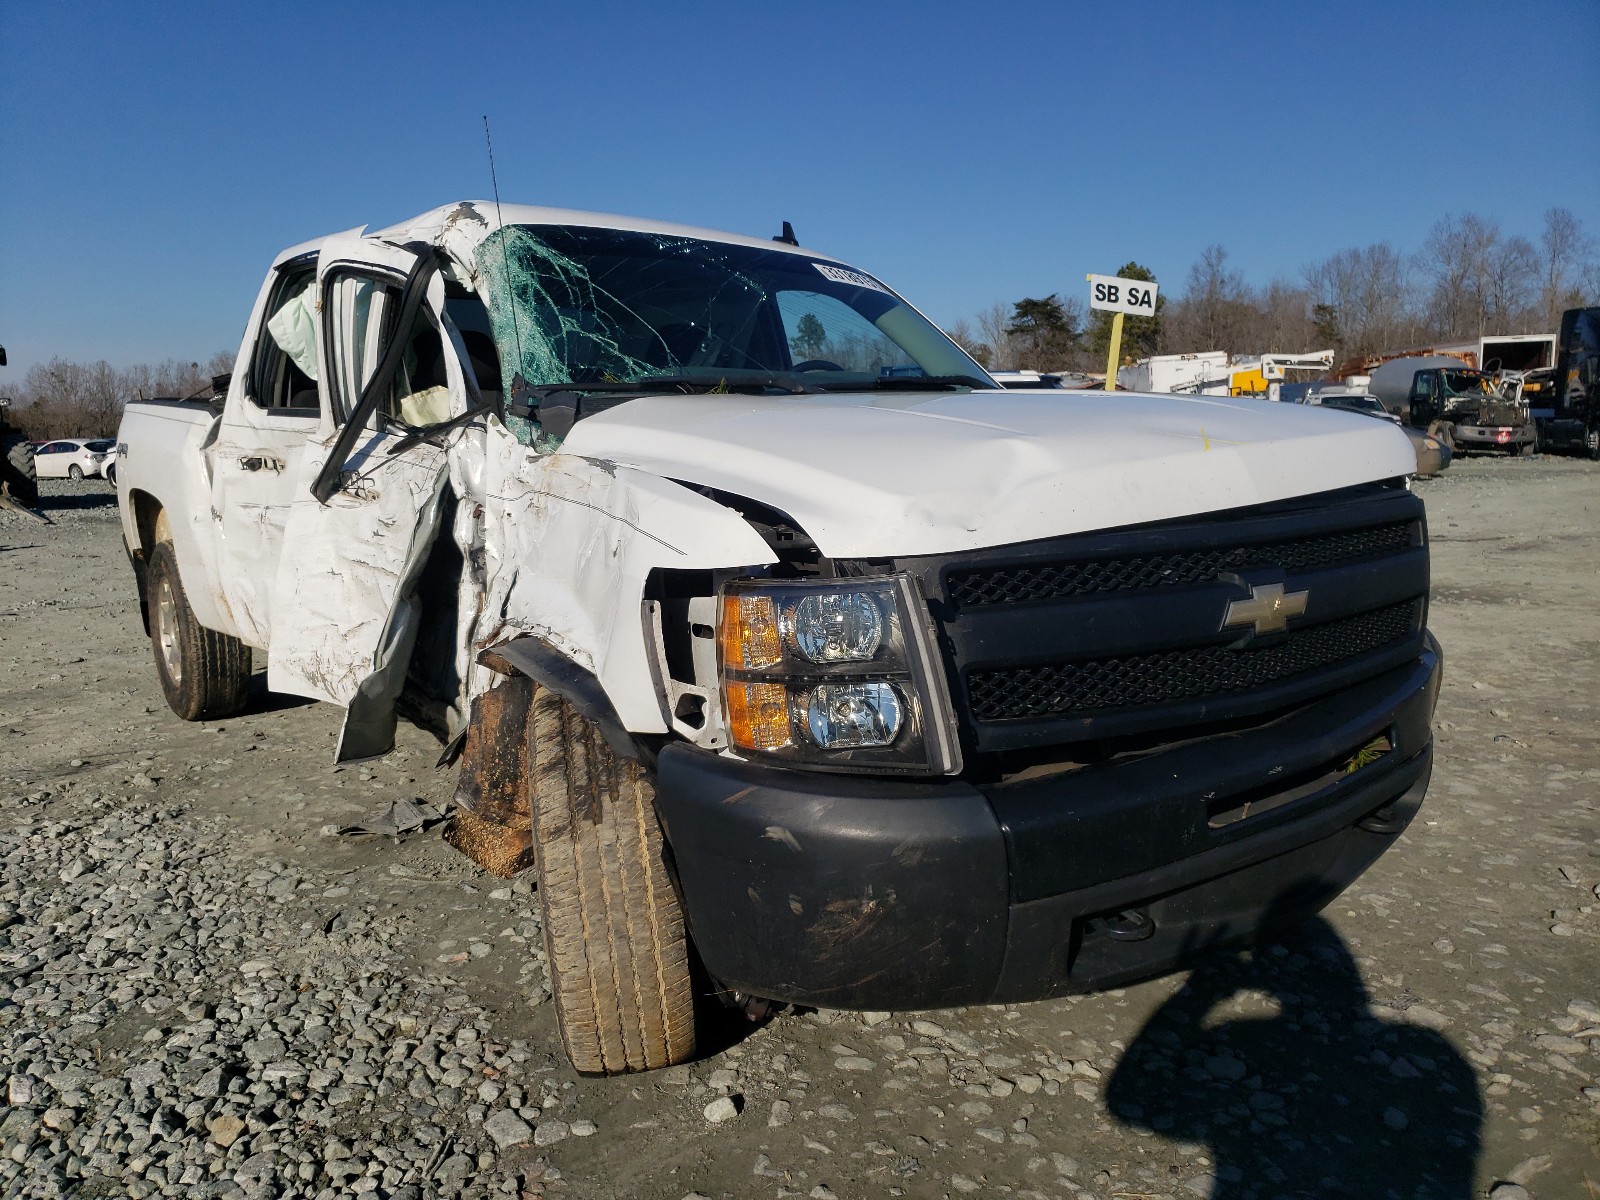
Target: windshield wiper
{"points": [[683, 384], [914, 383], [559, 406]]}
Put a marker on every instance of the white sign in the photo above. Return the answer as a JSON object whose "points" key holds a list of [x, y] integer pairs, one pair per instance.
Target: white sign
{"points": [[1112, 293], [853, 278]]}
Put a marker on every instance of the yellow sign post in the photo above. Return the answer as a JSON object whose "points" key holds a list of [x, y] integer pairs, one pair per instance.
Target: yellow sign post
{"points": [[1114, 355]]}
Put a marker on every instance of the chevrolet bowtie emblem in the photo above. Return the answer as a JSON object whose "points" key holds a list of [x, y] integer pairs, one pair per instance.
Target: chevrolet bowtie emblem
{"points": [[1268, 609]]}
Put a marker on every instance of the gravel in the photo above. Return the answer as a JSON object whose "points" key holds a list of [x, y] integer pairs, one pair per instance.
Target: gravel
{"points": [[170, 1015], [201, 995]]}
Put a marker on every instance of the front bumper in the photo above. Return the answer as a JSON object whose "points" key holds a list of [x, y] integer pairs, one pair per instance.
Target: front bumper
{"points": [[1564, 434], [1491, 437], [847, 892]]}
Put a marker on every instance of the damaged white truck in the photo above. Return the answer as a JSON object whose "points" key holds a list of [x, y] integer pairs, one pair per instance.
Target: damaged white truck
{"points": [[802, 662]]}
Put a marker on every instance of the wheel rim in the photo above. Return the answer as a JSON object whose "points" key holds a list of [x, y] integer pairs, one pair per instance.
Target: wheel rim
{"points": [[167, 630]]}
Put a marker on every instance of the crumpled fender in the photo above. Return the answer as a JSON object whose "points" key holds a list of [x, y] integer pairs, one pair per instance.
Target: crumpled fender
{"points": [[569, 544]]}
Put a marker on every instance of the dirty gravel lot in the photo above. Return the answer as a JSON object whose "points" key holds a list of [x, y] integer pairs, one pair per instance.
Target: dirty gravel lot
{"points": [[206, 991]]}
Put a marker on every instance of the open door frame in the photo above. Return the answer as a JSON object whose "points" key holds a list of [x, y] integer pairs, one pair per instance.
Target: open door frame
{"points": [[366, 511]]}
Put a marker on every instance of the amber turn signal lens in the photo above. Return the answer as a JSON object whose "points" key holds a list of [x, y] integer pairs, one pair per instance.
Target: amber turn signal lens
{"points": [[758, 715], [750, 638]]}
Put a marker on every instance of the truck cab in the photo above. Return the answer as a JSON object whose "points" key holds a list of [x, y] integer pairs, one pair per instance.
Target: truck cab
{"points": [[761, 621], [1569, 415], [1473, 410]]}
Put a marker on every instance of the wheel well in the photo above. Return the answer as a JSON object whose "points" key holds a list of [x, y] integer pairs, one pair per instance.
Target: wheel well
{"points": [[150, 520]]}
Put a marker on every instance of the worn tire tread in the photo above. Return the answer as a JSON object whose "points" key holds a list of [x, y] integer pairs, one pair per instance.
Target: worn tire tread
{"points": [[614, 933], [216, 666], [19, 472]]}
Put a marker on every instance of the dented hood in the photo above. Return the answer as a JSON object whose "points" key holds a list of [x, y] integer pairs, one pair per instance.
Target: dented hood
{"points": [[894, 473]]}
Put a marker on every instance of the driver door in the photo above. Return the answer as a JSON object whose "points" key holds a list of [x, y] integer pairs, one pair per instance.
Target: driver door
{"points": [[344, 613]]}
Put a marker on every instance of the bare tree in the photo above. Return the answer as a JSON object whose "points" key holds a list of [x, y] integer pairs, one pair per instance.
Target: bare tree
{"points": [[993, 323], [59, 390], [1219, 300], [1456, 257], [1566, 256], [961, 333], [70, 399], [1286, 319], [1215, 312], [1510, 286], [1363, 294], [103, 398], [1076, 314]]}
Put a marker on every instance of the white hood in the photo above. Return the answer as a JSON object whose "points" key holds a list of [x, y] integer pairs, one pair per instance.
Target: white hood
{"points": [[876, 475]]}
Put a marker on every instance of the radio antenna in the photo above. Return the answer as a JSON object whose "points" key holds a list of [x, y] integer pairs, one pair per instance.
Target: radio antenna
{"points": [[505, 267]]}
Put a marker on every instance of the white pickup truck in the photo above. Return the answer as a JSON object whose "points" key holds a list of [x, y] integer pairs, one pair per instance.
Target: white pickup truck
{"points": [[804, 663]]}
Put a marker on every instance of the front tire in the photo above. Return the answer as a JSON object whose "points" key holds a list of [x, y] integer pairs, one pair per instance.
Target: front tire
{"points": [[204, 674], [17, 471], [614, 934]]}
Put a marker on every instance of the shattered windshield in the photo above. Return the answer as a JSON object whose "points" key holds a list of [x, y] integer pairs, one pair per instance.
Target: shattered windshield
{"points": [[1468, 383], [609, 307]]}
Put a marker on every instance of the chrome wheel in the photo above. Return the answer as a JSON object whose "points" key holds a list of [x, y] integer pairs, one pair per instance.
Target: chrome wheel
{"points": [[167, 631]]}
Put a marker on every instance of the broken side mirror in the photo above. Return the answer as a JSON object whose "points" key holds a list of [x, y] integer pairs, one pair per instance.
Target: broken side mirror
{"points": [[219, 392]]}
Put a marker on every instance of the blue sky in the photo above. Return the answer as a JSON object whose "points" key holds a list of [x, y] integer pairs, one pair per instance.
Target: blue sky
{"points": [[158, 155]]}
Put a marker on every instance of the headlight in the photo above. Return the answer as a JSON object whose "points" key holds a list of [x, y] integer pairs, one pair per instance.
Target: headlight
{"points": [[836, 674], [836, 627]]}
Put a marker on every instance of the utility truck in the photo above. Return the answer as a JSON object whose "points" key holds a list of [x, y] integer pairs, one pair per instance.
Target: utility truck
{"points": [[801, 661]]}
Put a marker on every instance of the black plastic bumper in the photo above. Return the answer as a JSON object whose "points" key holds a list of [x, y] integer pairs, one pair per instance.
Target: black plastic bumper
{"points": [[847, 892]]}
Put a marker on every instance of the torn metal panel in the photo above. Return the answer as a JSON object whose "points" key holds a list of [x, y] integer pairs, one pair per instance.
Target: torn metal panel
{"points": [[466, 467], [493, 823], [394, 818], [253, 462], [345, 620], [569, 543]]}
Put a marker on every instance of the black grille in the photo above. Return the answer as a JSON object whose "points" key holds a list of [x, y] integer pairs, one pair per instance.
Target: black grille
{"points": [[1102, 684], [1058, 580]]}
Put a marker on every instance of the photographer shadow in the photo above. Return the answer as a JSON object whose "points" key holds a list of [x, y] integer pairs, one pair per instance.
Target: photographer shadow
{"points": [[1321, 1099]]}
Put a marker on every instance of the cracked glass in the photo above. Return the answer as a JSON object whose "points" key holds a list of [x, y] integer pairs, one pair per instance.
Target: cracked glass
{"points": [[608, 308]]}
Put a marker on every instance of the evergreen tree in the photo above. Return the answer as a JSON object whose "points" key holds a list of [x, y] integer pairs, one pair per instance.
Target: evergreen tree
{"points": [[1044, 332]]}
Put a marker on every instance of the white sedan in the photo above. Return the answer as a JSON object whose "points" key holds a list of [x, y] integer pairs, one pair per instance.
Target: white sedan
{"points": [[73, 458], [108, 464]]}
